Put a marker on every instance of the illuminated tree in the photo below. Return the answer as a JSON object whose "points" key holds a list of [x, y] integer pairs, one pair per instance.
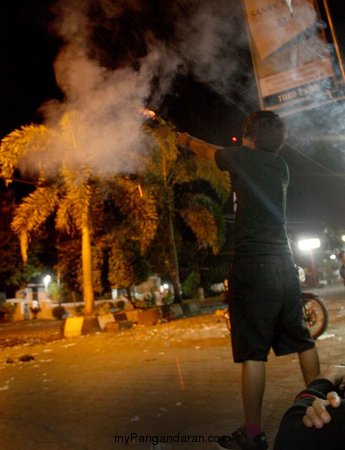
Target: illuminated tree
{"points": [[173, 178], [129, 227], [72, 195], [67, 193], [125, 222], [13, 273]]}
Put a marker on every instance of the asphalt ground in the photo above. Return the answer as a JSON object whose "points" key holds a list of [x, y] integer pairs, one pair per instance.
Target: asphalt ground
{"points": [[172, 383]]}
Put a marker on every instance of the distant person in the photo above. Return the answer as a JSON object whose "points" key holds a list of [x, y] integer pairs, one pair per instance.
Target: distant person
{"points": [[341, 258], [316, 421], [265, 297]]}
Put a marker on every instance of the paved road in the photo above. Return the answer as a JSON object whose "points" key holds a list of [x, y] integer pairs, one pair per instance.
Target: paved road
{"points": [[175, 378]]}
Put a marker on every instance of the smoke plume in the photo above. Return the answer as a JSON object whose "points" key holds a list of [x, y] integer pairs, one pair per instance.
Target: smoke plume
{"points": [[119, 57], [108, 73]]}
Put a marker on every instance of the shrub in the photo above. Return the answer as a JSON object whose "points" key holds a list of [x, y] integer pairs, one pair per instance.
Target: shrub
{"points": [[190, 285], [7, 311], [59, 312]]}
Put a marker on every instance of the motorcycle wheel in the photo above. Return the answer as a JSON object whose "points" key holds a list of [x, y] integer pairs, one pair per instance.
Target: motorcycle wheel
{"points": [[315, 314]]}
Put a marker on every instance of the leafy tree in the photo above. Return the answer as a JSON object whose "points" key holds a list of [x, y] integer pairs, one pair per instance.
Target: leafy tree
{"points": [[13, 273], [173, 179], [130, 224], [127, 266]]}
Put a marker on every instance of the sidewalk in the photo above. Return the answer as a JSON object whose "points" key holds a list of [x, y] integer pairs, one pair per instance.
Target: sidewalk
{"points": [[163, 380]]}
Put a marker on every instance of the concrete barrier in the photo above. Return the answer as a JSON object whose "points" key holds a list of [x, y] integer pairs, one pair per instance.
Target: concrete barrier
{"points": [[73, 327], [104, 320]]}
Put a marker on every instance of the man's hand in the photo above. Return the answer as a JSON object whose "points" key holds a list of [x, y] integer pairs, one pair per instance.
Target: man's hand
{"points": [[183, 139], [317, 415], [197, 146]]}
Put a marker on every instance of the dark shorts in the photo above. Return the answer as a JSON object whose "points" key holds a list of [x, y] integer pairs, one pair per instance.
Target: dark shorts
{"points": [[266, 309]]}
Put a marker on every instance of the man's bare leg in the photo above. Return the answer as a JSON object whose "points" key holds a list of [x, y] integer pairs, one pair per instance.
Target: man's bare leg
{"points": [[310, 364], [253, 387]]}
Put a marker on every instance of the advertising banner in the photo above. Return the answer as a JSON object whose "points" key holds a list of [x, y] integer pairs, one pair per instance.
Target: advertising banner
{"points": [[294, 55]]}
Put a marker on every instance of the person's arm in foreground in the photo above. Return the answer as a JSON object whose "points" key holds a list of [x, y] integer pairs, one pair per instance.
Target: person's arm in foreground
{"points": [[197, 146], [317, 414], [294, 435]]}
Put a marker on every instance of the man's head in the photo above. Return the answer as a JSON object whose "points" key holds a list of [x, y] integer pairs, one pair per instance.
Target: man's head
{"points": [[265, 130]]}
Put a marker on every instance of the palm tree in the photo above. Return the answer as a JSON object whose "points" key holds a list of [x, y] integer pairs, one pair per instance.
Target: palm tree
{"points": [[70, 194], [167, 170]]}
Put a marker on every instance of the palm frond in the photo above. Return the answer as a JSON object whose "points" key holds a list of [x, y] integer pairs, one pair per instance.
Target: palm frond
{"points": [[18, 143], [138, 205], [167, 165], [164, 154], [32, 213], [35, 209], [205, 218], [64, 221], [193, 168]]}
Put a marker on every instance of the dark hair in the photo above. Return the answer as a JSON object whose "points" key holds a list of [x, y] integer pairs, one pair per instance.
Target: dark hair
{"points": [[341, 254], [266, 130]]}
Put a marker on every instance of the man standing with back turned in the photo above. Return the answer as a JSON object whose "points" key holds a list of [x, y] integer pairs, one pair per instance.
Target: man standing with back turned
{"points": [[265, 298]]}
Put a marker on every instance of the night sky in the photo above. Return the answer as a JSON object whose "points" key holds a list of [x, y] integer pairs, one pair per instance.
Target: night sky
{"points": [[29, 48]]}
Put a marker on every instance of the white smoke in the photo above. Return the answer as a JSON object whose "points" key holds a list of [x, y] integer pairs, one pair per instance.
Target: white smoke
{"points": [[99, 122], [102, 106], [209, 39]]}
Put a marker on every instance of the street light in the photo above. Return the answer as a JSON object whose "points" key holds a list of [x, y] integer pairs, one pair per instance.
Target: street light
{"points": [[46, 280], [310, 245]]}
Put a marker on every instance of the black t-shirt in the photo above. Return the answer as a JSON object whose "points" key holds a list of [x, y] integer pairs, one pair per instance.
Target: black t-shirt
{"points": [[260, 181]]}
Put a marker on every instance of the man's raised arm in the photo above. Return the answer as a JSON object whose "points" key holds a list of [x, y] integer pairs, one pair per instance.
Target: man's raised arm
{"points": [[197, 146]]}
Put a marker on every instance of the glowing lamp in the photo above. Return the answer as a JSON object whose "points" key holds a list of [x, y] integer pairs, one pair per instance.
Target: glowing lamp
{"points": [[46, 280], [309, 244]]}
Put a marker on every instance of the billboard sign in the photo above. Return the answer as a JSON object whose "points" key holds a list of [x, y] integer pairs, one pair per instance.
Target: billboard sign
{"points": [[295, 64]]}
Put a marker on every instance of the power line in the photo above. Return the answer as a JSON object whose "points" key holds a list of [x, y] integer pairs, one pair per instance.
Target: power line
{"points": [[340, 176]]}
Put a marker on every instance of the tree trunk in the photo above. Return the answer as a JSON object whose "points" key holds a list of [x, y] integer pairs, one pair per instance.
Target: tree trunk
{"points": [[87, 270], [173, 259], [129, 293], [23, 240], [173, 265]]}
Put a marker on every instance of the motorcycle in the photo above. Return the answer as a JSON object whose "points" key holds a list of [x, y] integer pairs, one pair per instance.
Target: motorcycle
{"points": [[315, 314]]}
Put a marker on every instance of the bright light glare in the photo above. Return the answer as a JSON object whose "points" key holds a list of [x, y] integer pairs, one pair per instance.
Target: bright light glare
{"points": [[166, 286], [309, 244], [343, 237], [333, 257], [47, 279]]}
